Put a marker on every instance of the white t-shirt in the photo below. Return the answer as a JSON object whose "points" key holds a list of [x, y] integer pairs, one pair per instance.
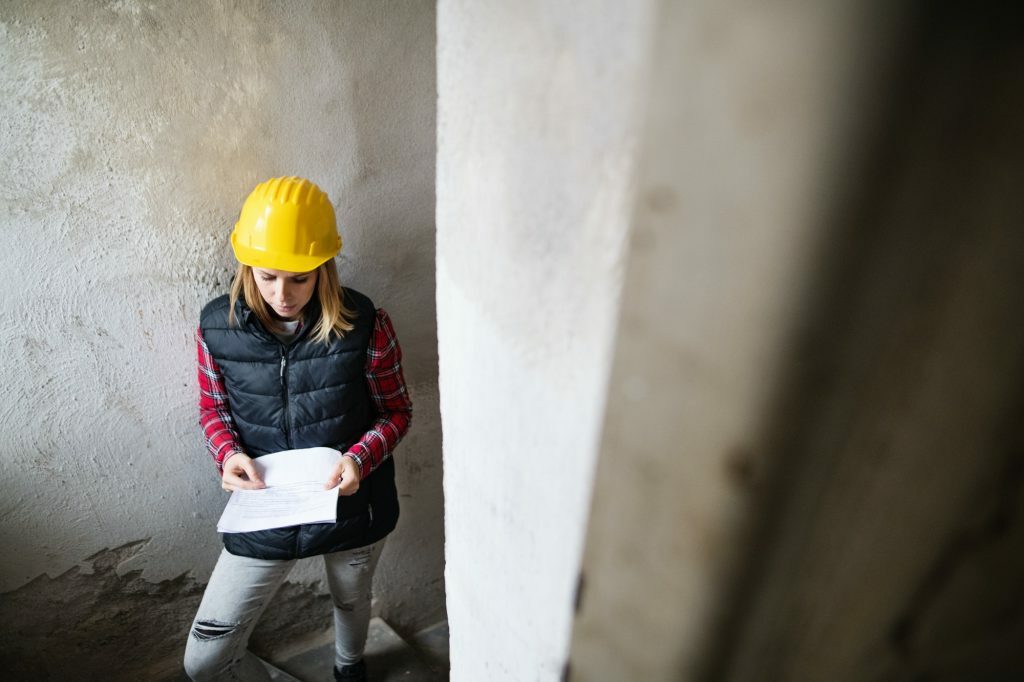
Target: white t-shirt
{"points": [[290, 327]]}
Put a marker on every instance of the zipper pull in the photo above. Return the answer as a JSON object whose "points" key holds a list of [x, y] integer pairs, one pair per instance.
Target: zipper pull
{"points": [[284, 361]]}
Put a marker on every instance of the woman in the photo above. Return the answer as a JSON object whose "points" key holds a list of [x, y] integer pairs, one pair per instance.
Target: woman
{"points": [[288, 360]]}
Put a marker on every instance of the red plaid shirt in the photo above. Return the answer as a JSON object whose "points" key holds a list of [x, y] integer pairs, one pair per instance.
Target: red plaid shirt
{"points": [[383, 377]]}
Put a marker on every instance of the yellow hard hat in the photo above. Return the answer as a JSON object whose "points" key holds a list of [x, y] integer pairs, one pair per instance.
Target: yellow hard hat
{"points": [[286, 224]]}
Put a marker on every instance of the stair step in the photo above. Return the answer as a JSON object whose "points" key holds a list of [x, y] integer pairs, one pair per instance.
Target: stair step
{"points": [[276, 674], [389, 658], [432, 642]]}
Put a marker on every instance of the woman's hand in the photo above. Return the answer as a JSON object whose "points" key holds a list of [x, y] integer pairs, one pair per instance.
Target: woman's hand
{"points": [[347, 472], [240, 474]]}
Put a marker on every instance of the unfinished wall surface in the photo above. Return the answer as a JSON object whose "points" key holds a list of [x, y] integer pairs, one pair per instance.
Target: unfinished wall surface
{"points": [[131, 134], [891, 541], [537, 123], [747, 111], [811, 465]]}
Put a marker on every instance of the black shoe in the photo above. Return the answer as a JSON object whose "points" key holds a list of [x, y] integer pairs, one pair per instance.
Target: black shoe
{"points": [[350, 673]]}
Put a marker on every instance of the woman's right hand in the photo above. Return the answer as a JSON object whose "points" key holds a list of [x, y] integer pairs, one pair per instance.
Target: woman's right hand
{"points": [[240, 473]]}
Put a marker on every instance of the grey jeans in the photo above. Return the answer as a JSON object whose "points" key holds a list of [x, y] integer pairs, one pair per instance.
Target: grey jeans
{"points": [[240, 589]]}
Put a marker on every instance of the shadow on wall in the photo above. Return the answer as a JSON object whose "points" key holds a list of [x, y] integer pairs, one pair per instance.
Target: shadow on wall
{"points": [[867, 522], [892, 536]]}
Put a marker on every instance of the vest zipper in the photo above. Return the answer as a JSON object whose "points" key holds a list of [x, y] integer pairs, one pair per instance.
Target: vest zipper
{"points": [[284, 387]]}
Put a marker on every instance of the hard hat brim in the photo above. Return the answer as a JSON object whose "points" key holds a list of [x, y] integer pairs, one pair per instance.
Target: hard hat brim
{"points": [[257, 258]]}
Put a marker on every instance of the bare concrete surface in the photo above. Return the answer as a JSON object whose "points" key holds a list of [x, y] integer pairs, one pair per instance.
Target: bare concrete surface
{"points": [[815, 472], [278, 675], [432, 643], [538, 118], [389, 658]]}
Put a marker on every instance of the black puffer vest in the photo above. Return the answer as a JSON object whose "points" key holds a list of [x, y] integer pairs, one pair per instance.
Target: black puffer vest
{"points": [[300, 395]]}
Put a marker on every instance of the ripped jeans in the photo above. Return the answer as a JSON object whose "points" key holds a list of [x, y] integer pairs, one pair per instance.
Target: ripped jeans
{"points": [[240, 589]]}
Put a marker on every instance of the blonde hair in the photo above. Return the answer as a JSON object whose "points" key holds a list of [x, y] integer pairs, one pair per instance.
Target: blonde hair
{"points": [[335, 318]]}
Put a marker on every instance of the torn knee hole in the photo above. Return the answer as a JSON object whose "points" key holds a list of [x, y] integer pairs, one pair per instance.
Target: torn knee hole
{"points": [[345, 606], [212, 629], [361, 557]]}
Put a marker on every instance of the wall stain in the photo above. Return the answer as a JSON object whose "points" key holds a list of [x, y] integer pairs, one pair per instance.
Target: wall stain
{"points": [[82, 621]]}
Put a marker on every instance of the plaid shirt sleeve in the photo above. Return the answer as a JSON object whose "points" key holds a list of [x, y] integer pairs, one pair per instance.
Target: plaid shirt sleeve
{"points": [[214, 413], [389, 396]]}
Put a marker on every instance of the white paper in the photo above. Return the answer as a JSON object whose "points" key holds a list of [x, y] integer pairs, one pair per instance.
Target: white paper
{"points": [[294, 494]]}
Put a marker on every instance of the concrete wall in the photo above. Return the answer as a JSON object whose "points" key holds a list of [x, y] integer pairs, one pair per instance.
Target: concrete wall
{"points": [[811, 465], [747, 113], [890, 541], [537, 125], [131, 133]]}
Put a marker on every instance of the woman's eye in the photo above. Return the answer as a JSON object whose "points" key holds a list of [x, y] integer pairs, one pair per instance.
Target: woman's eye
{"points": [[267, 279], [300, 281]]}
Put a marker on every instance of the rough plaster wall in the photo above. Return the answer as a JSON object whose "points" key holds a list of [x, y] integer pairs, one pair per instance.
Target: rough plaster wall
{"points": [[537, 122], [132, 132]]}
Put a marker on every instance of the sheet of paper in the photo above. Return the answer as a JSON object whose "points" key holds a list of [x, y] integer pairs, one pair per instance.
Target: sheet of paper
{"points": [[294, 494]]}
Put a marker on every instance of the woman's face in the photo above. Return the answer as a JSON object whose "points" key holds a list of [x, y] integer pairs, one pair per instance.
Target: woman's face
{"points": [[287, 293]]}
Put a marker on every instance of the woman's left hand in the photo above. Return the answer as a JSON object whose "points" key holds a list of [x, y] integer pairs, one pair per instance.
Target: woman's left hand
{"points": [[346, 471]]}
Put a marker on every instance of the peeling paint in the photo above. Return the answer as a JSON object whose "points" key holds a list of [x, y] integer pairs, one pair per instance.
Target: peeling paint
{"points": [[75, 626]]}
